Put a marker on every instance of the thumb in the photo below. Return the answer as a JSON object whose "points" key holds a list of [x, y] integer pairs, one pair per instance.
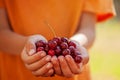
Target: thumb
{"points": [[30, 46], [84, 52]]}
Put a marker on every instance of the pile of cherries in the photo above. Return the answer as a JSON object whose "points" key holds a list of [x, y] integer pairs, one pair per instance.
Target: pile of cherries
{"points": [[59, 46]]}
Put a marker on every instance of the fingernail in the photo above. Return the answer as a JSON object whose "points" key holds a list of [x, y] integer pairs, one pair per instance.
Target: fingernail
{"points": [[54, 58], [48, 58], [61, 58], [31, 52], [42, 54], [48, 65], [68, 57]]}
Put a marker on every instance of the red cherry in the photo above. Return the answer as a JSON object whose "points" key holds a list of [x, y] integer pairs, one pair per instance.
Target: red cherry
{"points": [[40, 49], [52, 44], [64, 45], [75, 53], [58, 40], [58, 51], [66, 52], [46, 48], [71, 43], [40, 43], [78, 59], [51, 52], [64, 39], [72, 49]]}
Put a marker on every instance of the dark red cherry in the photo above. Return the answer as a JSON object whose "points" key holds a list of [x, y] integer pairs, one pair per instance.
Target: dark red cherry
{"points": [[64, 39], [40, 49], [64, 45], [58, 51], [46, 48], [71, 43], [72, 49], [78, 59], [40, 43], [58, 40], [51, 52], [66, 52], [52, 44]]}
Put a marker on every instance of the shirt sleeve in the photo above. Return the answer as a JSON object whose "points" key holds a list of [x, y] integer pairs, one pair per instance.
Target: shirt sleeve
{"points": [[1, 4], [104, 9]]}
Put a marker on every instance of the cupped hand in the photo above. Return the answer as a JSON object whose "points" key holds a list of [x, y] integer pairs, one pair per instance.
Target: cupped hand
{"points": [[37, 62], [66, 66]]}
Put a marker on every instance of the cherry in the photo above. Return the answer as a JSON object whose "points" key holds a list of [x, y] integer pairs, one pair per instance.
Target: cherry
{"points": [[59, 46], [64, 45], [51, 52], [64, 39], [40, 49], [40, 43], [58, 40], [46, 48], [52, 44], [58, 51], [78, 59], [72, 49], [71, 43], [66, 52]]}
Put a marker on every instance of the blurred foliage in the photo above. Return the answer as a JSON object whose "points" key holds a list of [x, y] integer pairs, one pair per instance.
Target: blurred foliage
{"points": [[105, 54]]}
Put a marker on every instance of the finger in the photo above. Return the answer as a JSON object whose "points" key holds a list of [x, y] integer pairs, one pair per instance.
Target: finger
{"points": [[56, 65], [37, 65], [84, 54], [30, 59], [64, 67], [83, 51], [30, 48], [80, 66], [43, 70], [73, 66], [49, 73]]}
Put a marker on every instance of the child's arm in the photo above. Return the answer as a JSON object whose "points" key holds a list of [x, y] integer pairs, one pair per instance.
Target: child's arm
{"points": [[85, 33], [10, 42]]}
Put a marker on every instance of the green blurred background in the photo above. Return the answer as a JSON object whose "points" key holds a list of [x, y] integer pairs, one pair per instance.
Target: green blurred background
{"points": [[105, 53]]}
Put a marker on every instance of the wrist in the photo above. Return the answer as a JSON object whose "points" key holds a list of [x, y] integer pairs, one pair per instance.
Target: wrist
{"points": [[81, 38]]}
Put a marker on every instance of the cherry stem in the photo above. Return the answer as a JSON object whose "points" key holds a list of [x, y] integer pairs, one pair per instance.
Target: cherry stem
{"points": [[51, 28]]}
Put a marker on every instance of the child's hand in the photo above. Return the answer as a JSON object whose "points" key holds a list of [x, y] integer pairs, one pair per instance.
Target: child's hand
{"points": [[66, 66], [38, 63]]}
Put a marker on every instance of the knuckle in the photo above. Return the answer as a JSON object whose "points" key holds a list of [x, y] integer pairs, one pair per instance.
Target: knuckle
{"points": [[36, 56]]}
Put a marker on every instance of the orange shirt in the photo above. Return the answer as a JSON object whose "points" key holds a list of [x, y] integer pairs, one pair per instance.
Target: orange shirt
{"points": [[27, 17]]}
